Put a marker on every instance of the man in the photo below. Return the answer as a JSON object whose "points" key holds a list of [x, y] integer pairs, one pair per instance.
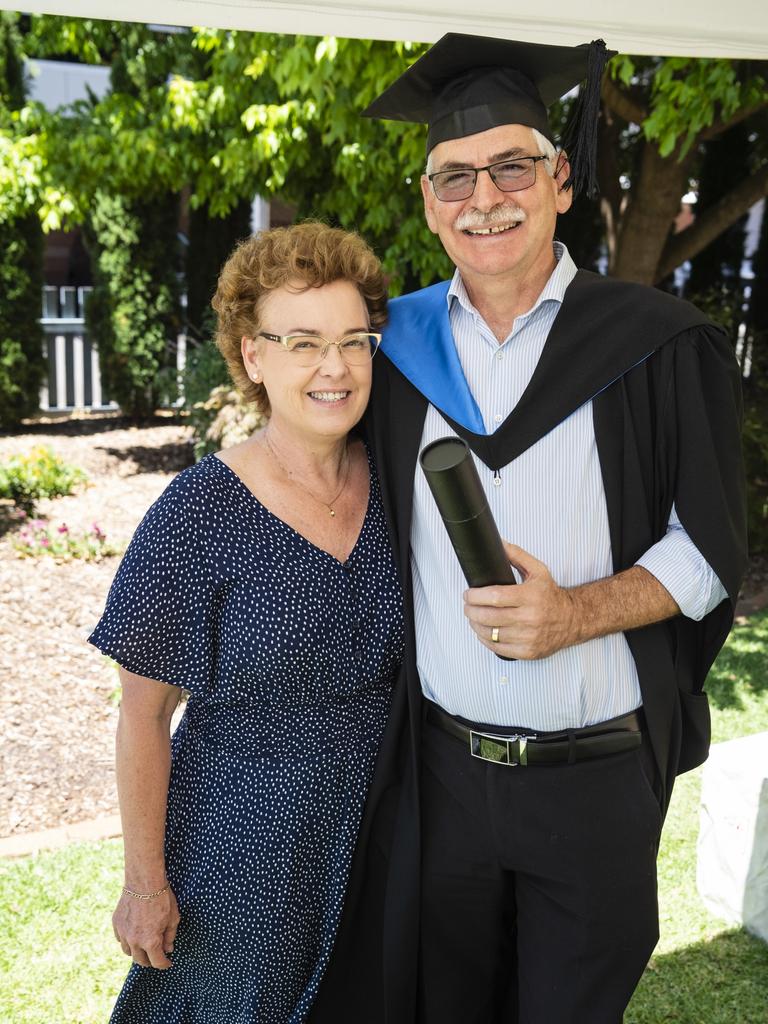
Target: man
{"points": [[604, 419]]}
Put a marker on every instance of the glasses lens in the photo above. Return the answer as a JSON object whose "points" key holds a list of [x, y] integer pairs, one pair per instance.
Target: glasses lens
{"points": [[451, 186], [305, 349], [358, 348], [514, 175]]}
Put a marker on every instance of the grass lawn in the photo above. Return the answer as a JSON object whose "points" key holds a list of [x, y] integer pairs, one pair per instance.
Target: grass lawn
{"points": [[60, 964], [704, 972]]}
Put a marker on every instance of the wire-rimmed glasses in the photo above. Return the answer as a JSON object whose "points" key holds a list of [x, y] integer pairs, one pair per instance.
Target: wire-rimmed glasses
{"points": [[453, 185], [355, 349]]}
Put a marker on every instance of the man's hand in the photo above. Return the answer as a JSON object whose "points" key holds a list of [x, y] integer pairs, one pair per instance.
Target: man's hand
{"points": [[537, 618]]}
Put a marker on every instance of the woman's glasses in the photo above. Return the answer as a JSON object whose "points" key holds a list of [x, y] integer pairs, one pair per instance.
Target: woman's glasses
{"points": [[311, 349]]}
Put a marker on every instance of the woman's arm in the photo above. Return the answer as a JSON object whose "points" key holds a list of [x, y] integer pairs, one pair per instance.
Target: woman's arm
{"points": [[145, 928]]}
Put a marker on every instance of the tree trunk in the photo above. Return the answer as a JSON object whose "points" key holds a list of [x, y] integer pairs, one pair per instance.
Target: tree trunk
{"points": [[654, 204], [611, 197]]}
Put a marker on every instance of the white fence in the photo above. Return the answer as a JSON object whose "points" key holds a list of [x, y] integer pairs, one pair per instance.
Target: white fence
{"points": [[74, 380]]}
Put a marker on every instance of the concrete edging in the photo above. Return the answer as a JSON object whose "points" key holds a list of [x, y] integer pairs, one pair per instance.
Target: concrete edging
{"points": [[107, 827]]}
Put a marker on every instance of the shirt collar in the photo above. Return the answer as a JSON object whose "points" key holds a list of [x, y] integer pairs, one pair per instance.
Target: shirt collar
{"points": [[553, 291]]}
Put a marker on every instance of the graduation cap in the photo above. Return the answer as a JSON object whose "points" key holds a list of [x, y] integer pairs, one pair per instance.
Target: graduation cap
{"points": [[467, 84]]}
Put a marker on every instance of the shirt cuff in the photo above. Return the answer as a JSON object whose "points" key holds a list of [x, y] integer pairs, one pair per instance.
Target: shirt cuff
{"points": [[681, 569]]}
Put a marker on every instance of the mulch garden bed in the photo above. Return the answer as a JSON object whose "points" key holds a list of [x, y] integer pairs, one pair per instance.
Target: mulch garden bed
{"points": [[58, 706]]}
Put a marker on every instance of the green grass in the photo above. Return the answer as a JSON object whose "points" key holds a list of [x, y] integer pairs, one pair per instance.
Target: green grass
{"points": [[738, 683], [60, 964], [704, 972], [59, 961]]}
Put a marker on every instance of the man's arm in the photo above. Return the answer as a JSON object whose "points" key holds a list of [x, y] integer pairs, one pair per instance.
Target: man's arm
{"points": [[680, 567], [537, 618]]}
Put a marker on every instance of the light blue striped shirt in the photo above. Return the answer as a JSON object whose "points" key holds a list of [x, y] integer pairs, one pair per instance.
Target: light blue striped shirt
{"points": [[550, 501]]}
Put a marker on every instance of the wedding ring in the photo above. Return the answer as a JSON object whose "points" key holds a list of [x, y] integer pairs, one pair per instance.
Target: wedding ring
{"points": [[495, 635]]}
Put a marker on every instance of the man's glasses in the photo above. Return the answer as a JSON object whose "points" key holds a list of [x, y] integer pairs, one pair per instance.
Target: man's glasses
{"points": [[311, 349], [507, 175]]}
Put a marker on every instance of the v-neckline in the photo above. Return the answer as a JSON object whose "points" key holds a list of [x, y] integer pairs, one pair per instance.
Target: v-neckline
{"points": [[298, 533]]}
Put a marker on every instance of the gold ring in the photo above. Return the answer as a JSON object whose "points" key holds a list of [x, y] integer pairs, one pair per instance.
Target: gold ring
{"points": [[495, 635]]}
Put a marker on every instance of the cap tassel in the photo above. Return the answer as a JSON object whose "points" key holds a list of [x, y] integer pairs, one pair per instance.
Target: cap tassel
{"points": [[580, 136]]}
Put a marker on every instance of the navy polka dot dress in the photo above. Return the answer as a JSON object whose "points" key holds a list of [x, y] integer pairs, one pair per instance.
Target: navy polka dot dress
{"points": [[289, 657]]}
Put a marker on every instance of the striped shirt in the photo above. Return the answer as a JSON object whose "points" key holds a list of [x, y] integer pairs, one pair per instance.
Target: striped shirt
{"points": [[550, 500]]}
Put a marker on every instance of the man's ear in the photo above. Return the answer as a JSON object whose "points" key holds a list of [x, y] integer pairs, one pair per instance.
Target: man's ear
{"points": [[429, 203], [562, 173]]}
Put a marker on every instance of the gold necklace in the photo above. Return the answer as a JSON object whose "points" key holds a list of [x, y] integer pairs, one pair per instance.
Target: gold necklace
{"points": [[321, 501]]}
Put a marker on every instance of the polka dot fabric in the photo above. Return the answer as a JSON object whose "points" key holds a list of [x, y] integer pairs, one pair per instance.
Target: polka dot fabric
{"points": [[289, 656]]}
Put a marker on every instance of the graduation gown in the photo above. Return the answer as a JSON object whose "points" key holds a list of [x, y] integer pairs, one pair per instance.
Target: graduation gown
{"points": [[666, 401]]}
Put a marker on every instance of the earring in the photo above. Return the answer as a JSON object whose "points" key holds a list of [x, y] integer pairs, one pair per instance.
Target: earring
{"points": [[256, 378]]}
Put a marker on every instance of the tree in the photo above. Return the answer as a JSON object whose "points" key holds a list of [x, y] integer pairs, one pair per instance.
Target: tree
{"points": [[130, 226], [211, 240], [718, 268], [132, 312], [243, 113], [755, 356], [22, 363], [658, 117]]}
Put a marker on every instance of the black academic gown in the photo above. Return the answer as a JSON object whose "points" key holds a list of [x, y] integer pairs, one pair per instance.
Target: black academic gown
{"points": [[667, 428]]}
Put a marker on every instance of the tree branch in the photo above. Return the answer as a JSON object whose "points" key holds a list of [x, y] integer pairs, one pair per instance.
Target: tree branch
{"points": [[719, 126], [713, 222], [621, 103]]}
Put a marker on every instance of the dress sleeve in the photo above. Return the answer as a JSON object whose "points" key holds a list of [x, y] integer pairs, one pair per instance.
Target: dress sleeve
{"points": [[159, 620]]}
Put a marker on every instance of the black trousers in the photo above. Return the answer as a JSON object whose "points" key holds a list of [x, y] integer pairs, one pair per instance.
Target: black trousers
{"points": [[538, 887]]}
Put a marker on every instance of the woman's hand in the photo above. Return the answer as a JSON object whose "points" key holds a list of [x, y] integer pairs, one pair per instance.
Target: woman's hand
{"points": [[146, 929]]}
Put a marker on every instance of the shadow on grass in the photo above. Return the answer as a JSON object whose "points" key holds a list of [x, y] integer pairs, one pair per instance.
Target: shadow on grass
{"points": [[744, 659], [164, 458], [721, 981]]}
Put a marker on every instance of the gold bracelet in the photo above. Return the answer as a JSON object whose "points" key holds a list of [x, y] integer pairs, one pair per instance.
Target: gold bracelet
{"points": [[146, 895]]}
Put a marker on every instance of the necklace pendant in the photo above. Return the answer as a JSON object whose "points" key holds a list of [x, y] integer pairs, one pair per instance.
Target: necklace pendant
{"points": [[331, 512]]}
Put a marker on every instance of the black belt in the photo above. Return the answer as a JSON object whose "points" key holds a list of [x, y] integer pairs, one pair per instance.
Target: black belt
{"points": [[615, 736]]}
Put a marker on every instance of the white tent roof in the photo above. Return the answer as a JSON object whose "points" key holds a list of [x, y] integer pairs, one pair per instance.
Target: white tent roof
{"points": [[699, 28]]}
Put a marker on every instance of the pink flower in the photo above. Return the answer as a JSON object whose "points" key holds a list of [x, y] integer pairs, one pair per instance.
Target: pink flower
{"points": [[97, 531], [45, 542], [37, 524], [63, 528]]}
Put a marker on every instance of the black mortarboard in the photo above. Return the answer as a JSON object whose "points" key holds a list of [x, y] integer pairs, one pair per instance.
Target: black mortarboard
{"points": [[467, 84]]}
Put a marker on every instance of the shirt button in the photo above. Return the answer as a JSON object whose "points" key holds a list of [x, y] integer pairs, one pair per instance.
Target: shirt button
{"points": [[499, 355], [358, 655], [504, 680], [497, 481], [498, 418]]}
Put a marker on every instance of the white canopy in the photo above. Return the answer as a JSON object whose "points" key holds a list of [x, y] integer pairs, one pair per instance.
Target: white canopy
{"points": [[698, 28]]}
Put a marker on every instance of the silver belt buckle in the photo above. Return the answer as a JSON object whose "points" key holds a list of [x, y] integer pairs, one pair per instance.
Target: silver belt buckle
{"points": [[509, 750]]}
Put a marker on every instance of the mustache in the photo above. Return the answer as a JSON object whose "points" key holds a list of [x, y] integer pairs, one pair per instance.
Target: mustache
{"points": [[504, 213]]}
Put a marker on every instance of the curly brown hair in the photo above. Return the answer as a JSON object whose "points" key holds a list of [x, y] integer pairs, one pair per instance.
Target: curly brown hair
{"points": [[312, 253]]}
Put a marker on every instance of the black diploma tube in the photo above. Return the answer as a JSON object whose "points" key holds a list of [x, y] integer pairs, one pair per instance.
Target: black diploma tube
{"points": [[461, 501]]}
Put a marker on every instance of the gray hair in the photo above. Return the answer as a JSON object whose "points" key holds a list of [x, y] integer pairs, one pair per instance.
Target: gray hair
{"points": [[546, 149]]}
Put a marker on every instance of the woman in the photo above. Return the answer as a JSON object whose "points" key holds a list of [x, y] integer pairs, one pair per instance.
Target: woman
{"points": [[262, 582]]}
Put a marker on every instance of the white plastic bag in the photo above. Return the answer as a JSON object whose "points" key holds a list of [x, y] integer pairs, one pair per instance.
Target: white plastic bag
{"points": [[732, 860]]}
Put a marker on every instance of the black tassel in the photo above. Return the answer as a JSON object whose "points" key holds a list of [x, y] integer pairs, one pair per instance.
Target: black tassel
{"points": [[580, 136]]}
